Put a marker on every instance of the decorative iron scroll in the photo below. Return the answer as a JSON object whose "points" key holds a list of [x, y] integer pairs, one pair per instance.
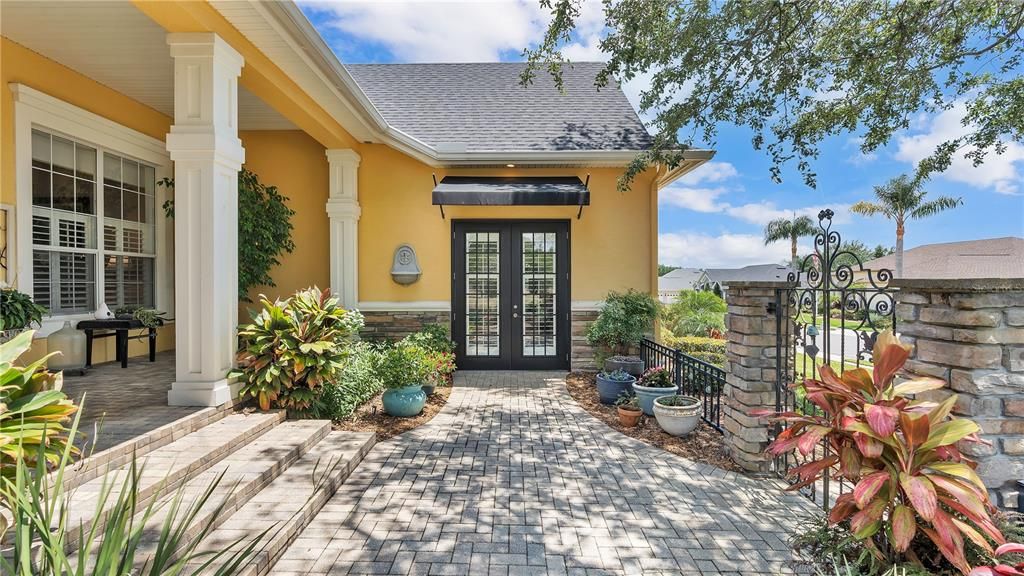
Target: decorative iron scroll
{"points": [[832, 315]]}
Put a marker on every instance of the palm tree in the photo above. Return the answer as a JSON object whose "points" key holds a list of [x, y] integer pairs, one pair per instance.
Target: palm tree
{"points": [[902, 199], [789, 229]]}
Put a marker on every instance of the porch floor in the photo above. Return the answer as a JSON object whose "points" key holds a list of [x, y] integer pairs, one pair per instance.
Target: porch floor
{"points": [[123, 403]]}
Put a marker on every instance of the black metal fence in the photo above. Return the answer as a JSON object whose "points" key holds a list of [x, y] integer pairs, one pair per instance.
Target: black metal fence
{"points": [[832, 314], [692, 377]]}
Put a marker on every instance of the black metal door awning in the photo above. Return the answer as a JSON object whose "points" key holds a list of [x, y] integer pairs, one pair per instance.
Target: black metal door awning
{"points": [[511, 191]]}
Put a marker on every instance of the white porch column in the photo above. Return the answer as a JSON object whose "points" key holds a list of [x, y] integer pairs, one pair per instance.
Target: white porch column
{"points": [[343, 211], [207, 155]]}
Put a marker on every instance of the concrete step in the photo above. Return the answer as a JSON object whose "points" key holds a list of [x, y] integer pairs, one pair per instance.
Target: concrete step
{"points": [[243, 473], [165, 469], [99, 463], [288, 504]]}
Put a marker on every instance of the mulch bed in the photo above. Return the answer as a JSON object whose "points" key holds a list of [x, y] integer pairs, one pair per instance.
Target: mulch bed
{"points": [[705, 445], [370, 417]]}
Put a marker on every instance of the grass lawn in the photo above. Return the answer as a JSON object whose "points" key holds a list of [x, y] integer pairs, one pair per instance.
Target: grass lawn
{"points": [[851, 324]]}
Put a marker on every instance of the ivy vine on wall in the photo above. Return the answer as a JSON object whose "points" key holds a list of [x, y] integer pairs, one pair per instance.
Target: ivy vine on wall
{"points": [[264, 230]]}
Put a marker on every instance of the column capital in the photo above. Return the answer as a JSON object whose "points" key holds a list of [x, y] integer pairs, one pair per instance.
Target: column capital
{"points": [[204, 45], [343, 156]]}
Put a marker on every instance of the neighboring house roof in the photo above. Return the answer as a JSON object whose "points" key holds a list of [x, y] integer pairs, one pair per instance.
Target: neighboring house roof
{"points": [[988, 258], [680, 279], [754, 273], [482, 107]]}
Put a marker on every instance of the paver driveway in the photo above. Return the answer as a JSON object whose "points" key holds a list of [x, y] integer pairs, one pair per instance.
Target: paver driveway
{"points": [[513, 477]]}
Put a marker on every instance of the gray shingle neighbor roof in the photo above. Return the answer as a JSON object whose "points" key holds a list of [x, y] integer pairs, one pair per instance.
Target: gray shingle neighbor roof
{"points": [[483, 108], [986, 258]]}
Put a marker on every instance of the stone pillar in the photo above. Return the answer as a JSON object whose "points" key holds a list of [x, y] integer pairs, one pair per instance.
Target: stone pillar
{"points": [[207, 155], [971, 333], [343, 211], [751, 366]]}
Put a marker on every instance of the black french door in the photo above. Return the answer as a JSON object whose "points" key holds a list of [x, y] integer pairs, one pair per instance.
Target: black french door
{"points": [[510, 284]]}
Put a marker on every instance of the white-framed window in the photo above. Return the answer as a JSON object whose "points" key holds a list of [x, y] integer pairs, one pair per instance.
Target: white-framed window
{"points": [[76, 186], [90, 231]]}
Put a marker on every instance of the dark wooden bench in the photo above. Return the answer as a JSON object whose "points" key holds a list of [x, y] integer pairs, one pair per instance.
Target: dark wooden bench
{"points": [[118, 328]]}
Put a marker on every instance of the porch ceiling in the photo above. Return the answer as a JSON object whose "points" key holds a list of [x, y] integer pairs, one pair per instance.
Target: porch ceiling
{"points": [[115, 44]]}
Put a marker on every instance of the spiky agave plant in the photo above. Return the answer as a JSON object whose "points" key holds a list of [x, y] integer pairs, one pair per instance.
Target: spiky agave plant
{"points": [[912, 485]]}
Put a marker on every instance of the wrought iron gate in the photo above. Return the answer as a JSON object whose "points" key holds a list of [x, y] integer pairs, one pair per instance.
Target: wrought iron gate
{"points": [[833, 314]]}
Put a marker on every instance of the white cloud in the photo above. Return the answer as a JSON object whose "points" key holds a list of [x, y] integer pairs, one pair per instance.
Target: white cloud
{"points": [[1000, 172], [727, 250], [693, 192], [418, 31]]}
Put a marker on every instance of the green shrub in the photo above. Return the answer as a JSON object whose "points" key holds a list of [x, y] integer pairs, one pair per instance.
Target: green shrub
{"points": [[710, 350], [402, 364], [357, 384], [293, 347], [18, 311], [695, 313], [33, 410], [624, 320], [432, 338]]}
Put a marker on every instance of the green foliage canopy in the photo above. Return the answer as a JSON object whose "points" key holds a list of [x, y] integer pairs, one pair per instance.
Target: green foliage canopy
{"points": [[264, 230], [799, 71], [695, 313], [624, 320]]}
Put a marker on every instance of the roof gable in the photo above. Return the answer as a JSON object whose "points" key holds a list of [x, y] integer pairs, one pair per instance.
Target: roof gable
{"points": [[481, 107]]}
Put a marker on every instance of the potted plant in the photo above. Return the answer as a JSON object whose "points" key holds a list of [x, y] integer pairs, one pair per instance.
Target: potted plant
{"points": [[403, 368], [17, 312], [628, 409], [610, 385], [441, 366], [624, 320], [654, 383], [678, 415]]}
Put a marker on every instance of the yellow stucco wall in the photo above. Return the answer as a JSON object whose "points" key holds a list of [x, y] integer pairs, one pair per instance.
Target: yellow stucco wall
{"points": [[295, 163], [21, 65], [611, 243]]}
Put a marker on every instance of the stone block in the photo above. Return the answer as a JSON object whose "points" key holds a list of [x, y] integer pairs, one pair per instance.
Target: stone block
{"points": [[990, 335], [986, 300], [926, 369], [1001, 426], [1000, 470], [1014, 316], [961, 355], [755, 311], [1013, 446], [1013, 407], [978, 449], [745, 324], [986, 382], [923, 330], [979, 406], [1015, 358], [907, 312], [950, 317], [912, 297]]}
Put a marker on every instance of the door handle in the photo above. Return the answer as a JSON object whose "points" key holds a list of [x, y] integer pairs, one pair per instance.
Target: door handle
{"points": [[515, 315]]}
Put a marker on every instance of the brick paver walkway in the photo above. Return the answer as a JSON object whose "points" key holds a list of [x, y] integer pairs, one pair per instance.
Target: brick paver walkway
{"points": [[513, 477]]}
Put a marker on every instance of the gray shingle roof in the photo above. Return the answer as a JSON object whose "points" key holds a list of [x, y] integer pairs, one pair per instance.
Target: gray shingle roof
{"points": [[988, 258], [483, 108], [680, 279], [754, 273]]}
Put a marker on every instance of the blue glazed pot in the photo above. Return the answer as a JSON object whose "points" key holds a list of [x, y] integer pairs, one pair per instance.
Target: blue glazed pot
{"points": [[405, 401], [646, 395], [609, 390]]}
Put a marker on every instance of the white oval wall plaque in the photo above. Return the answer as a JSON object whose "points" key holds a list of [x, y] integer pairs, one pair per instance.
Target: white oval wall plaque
{"points": [[405, 269]]}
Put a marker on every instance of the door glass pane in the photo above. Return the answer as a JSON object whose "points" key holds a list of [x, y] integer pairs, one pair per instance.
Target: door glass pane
{"points": [[483, 333], [539, 294]]}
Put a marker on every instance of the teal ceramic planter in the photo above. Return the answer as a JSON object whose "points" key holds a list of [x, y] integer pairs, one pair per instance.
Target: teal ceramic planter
{"points": [[647, 394], [405, 401]]}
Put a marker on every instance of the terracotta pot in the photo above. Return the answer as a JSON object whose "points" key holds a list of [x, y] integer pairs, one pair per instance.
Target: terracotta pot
{"points": [[629, 417]]}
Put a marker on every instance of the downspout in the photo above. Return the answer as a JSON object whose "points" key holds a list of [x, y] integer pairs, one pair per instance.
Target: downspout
{"points": [[653, 199]]}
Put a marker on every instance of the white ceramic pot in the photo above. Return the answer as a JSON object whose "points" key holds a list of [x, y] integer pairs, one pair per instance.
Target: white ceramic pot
{"points": [[678, 420]]}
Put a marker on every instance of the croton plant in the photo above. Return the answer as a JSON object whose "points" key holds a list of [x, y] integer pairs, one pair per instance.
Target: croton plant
{"points": [[912, 484]]}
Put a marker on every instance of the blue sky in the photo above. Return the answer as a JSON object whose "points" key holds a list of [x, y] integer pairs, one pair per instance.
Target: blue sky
{"points": [[714, 216]]}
